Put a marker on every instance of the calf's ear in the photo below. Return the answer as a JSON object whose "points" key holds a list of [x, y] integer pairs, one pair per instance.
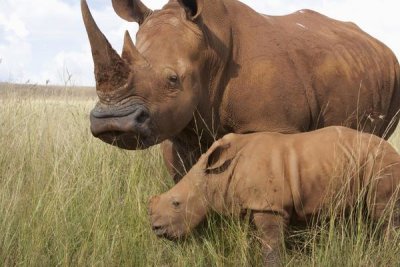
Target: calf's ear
{"points": [[219, 154], [193, 8]]}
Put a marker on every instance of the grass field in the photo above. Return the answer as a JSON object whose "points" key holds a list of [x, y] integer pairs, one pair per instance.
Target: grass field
{"points": [[68, 199]]}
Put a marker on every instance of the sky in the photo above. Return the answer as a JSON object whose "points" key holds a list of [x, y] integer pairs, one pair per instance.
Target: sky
{"points": [[44, 41]]}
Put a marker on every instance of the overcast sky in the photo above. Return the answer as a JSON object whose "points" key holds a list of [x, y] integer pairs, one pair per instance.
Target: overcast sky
{"points": [[45, 39]]}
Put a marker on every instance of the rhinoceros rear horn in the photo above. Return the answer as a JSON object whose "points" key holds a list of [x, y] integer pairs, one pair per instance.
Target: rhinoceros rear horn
{"points": [[130, 53], [111, 71], [131, 10]]}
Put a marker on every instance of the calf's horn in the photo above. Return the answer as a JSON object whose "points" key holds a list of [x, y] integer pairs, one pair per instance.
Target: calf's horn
{"points": [[111, 71]]}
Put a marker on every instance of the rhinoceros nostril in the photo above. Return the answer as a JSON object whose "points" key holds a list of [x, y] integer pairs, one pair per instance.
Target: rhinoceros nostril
{"points": [[159, 230], [142, 116], [156, 227]]}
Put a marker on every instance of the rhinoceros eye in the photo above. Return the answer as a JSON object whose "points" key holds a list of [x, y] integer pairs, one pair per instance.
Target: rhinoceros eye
{"points": [[173, 79], [176, 203]]}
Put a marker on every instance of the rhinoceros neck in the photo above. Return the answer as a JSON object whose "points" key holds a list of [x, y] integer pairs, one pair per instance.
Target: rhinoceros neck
{"points": [[223, 24], [219, 190], [215, 24]]}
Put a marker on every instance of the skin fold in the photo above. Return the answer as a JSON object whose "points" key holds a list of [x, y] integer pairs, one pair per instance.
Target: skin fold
{"points": [[201, 69], [283, 179]]}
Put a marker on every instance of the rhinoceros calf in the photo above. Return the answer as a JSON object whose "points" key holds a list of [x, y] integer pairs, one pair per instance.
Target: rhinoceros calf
{"points": [[281, 179]]}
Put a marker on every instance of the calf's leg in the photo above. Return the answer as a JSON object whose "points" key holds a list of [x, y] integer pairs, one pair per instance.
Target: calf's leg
{"points": [[271, 227]]}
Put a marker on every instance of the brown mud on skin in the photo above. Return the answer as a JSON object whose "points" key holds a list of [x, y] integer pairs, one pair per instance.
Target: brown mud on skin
{"points": [[111, 79]]}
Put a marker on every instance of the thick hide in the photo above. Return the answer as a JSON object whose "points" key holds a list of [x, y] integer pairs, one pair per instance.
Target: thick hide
{"points": [[201, 69], [284, 179]]}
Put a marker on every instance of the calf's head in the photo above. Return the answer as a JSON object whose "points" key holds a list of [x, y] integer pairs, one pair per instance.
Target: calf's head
{"points": [[149, 93], [178, 211]]}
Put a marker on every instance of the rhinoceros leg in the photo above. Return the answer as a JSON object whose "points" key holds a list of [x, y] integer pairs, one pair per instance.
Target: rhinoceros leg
{"points": [[391, 227], [179, 158], [167, 153], [271, 228]]}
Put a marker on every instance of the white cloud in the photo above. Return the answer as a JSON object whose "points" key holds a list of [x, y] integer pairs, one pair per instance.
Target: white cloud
{"points": [[378, 18], [36, 36], [40, 39], [77, 64], [14, 25]]}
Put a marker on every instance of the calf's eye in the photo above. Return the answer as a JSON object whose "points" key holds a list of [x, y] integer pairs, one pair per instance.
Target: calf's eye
{"points": [[173, 78], [176, 203]]}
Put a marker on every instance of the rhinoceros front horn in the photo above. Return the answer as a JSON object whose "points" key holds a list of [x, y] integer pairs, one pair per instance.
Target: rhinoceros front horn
{"points": [[111, 71]]}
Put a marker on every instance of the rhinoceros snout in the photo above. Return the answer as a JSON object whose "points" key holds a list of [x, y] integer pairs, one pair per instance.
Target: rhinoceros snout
{"points": [[125, 130]]}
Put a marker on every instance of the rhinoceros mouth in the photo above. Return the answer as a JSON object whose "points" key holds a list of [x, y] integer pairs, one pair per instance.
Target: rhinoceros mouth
{"points": [[128, 141], [162, 232], [129, 131]]}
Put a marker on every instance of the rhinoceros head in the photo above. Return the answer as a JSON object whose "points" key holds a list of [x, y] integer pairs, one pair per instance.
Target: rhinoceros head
{"points": [[177, 212], [149, 93]]}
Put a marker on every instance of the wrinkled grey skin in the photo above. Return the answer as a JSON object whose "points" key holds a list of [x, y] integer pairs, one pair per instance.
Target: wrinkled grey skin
{"points": [[201, 69]]}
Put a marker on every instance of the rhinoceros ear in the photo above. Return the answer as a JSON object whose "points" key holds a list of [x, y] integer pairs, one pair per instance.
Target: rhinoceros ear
{"points": [[131, 10], [193, 7], [218, 155]]}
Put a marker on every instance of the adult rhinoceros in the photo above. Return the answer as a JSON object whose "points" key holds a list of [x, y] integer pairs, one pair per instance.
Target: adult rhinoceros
{"points": [[204, 68]]}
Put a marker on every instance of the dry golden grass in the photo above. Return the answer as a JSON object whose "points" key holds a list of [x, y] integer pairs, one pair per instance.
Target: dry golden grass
{"points": [[66, 198]]}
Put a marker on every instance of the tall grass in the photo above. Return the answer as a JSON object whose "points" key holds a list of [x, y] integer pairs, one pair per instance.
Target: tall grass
{"points": [[67, 199]]}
